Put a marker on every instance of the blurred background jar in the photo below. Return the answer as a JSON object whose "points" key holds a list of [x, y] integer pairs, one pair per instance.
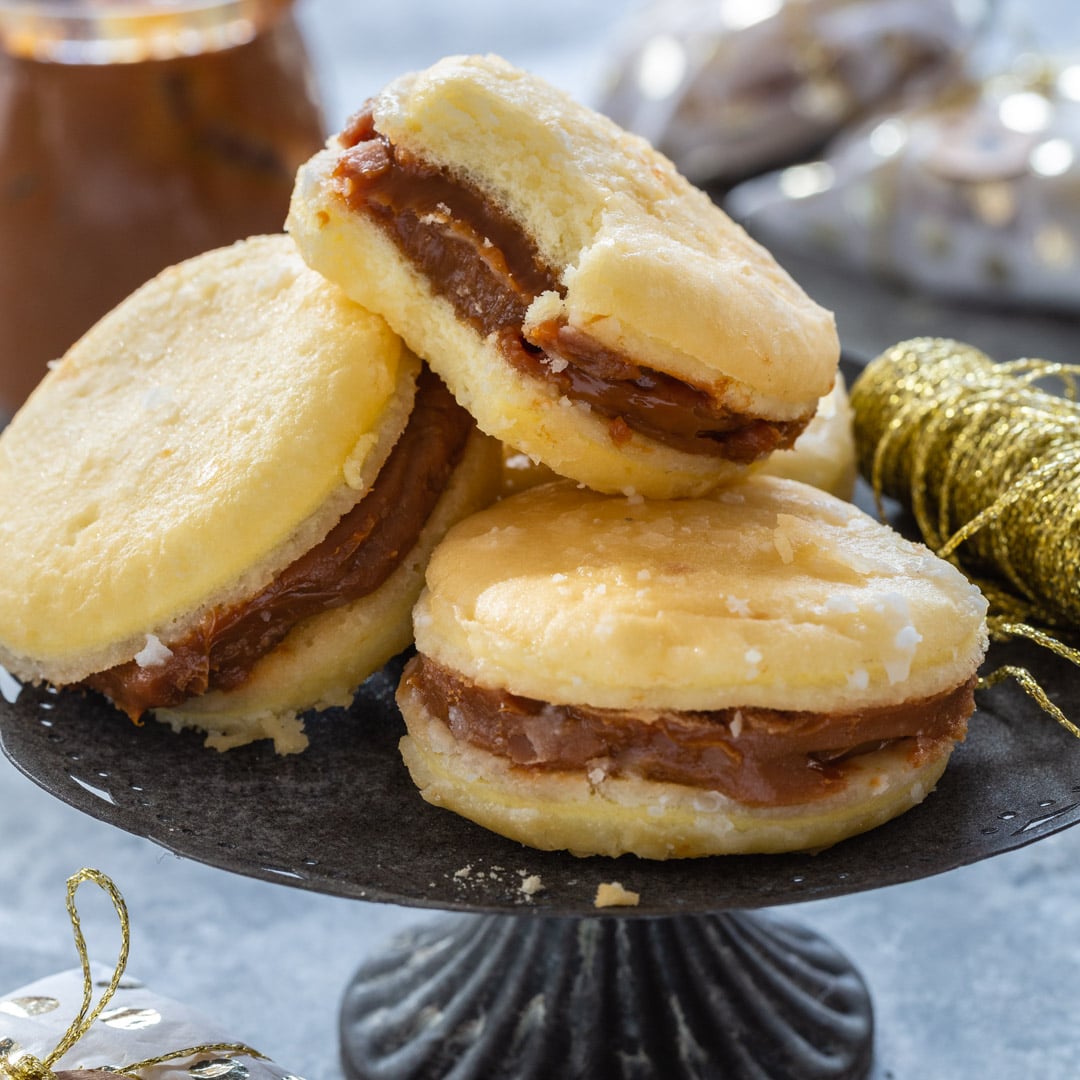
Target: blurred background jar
{"points": [[134, 134]]}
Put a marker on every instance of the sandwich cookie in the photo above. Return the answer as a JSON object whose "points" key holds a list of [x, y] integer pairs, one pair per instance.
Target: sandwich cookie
{"points": [[217, 506], [584, 301], [824, 454], [763, 669]]}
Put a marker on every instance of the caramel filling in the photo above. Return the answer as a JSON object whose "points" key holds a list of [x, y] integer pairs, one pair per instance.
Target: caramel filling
{"points": [[760, 757], [479, 259], [353, 560]]}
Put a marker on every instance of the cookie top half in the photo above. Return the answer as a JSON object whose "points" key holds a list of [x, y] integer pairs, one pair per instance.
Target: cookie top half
{"points": [[582, 300], [770, 594], [650, 265], [191, 444]]}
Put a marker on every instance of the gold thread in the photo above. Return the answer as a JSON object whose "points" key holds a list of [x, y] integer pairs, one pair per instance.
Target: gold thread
{"points": [[27, 1067], [988, 463]]}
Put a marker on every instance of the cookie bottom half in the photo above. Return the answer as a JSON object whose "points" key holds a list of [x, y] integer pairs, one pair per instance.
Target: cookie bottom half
{"points": [[616, 815]]}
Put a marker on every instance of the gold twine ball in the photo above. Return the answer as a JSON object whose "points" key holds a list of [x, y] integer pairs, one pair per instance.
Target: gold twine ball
{"points": [[987, 458]]}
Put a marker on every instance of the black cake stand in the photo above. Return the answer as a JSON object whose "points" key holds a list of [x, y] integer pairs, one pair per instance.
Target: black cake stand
{"points": [[535, 981]]}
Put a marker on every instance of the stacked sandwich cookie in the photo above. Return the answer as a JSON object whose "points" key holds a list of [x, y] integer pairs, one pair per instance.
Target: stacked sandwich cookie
{"points": [[219, 504], [764, 668], [580, 298], [663, 653], [222, 505]]}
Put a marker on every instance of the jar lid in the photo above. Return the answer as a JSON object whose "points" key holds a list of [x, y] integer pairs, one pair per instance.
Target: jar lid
{"points": [[128, 31]]}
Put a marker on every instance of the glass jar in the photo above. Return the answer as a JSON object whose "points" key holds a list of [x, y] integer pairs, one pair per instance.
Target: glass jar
{"points": [[134, 134]]}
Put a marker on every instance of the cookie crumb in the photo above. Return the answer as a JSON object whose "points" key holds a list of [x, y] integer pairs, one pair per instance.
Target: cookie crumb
{"points": [[464, 872], [531, 885], [612, 894]]}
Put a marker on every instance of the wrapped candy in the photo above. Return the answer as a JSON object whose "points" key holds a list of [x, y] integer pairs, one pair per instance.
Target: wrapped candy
{"points": [[730, 88], [53, 1030], [972, 194]]}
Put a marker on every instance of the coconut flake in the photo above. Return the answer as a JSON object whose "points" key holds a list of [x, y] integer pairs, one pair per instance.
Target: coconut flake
{"points": [[737, 605], [859, 679], [518, 461], [153, 653], [840, 604], [736, 725]]}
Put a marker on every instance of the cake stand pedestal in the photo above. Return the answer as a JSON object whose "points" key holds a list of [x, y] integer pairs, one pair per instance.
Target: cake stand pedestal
{"points": [[726, 995], [523, 983]]}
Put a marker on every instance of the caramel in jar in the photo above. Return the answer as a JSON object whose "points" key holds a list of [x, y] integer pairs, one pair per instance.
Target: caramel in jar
{"points": [[132, 136]]}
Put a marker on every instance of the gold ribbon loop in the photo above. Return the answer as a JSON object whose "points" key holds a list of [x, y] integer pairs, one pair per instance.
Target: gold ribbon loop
{"points": [[27, 1067]]}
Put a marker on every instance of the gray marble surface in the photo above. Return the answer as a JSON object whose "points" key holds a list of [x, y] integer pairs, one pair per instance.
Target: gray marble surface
{"points": [[973, 973]]}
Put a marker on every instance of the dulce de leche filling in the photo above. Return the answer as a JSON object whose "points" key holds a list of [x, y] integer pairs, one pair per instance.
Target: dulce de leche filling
{"points": [[759, 757], [481, 260], [353, 560]]}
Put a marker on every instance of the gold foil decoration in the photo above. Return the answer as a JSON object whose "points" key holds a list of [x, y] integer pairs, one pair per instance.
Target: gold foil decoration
{"points": [[219, 1069], [131, 1019], [971, 192], [21, 1066], [988, 462], [29, 1006]]}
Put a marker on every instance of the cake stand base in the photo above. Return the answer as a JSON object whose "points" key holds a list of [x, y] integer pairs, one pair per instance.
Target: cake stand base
{"points": [[503, 997]]}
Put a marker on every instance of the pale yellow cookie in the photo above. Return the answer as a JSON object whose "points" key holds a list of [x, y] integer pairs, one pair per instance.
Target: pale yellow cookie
{"points": [[183, 456], [581, 299], [765, 668], [824, 454]]}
